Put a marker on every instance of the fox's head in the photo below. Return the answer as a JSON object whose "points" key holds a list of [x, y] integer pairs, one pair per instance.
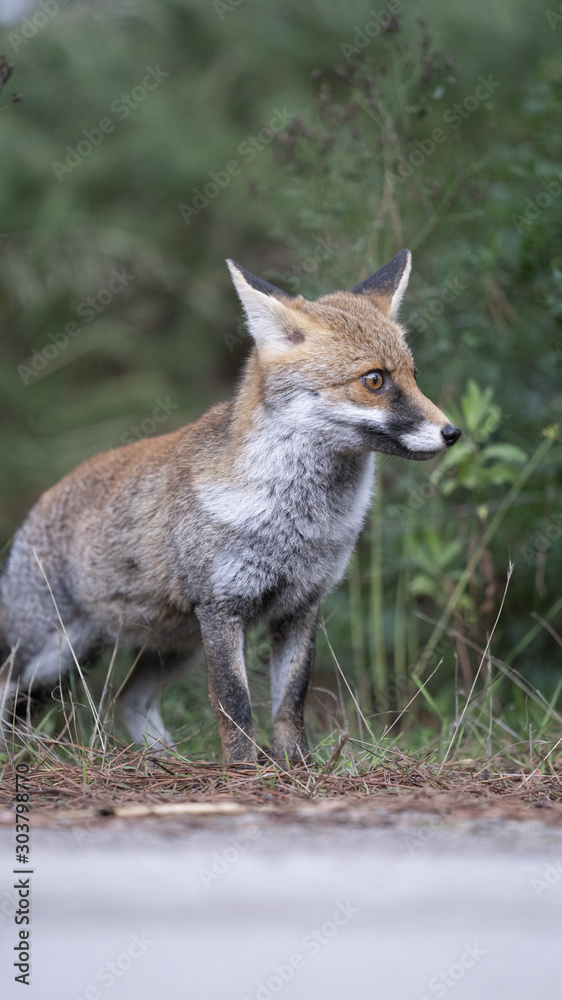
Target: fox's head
{"points": [[341, 366]]}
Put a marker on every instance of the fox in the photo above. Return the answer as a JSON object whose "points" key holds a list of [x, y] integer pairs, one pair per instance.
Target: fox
{"points": [[248, 515]]}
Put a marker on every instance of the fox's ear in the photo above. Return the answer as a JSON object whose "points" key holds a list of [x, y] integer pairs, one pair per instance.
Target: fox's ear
{"points": [[388, 284], [270, 323]]}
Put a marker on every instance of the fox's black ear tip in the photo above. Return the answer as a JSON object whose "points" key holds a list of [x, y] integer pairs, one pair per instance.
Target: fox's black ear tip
{"points": [[258, 284]]}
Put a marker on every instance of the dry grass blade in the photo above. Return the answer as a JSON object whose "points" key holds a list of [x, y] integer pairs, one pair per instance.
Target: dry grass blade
{"points": [[258, 748], [510, 672], [329, 766], [97, 720], [355, 702], [106, 685], [480, 665], [548, 755], [547, 626], [129, 673], [419, 691]]}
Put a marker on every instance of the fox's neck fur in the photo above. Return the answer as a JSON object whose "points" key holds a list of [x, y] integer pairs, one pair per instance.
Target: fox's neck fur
{"points": [[289, 498], [293, 471]]}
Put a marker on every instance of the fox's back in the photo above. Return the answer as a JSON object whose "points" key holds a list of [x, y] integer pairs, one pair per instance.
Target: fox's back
{"points": [[96, 543]]}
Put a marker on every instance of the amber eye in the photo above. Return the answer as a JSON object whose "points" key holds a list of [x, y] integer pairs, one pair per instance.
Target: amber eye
{"points": [[373, 381]]}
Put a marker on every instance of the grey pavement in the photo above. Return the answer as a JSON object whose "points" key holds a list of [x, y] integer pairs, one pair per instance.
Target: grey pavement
{"points": [[253, 908]]}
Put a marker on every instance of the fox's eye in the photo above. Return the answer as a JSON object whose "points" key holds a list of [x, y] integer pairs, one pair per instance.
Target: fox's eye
{"points": [[373, 381]]}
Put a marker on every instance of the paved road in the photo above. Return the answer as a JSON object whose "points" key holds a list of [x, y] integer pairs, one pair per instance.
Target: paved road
{"points": [[250, 909]]}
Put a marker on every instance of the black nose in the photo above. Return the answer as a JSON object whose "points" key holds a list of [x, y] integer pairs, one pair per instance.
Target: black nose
{"points": [[451, 434]]}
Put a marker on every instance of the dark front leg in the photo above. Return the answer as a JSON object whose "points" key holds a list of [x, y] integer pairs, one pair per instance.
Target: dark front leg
{"points": [[223, 641], [292, 656]]}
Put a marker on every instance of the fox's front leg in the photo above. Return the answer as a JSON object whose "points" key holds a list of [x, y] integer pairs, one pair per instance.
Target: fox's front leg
{"points": [[223, 641], [292, 656]]}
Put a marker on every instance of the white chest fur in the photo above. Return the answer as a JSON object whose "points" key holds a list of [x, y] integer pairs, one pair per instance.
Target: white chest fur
{"points": [[292, 513]]}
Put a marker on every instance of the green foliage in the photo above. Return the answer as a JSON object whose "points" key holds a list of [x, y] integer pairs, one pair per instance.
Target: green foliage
{"points": [[436, 563], [379, 139], [473, 464]]}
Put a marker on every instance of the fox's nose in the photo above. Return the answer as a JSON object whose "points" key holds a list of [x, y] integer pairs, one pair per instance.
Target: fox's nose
{"points": [[451, 434]]}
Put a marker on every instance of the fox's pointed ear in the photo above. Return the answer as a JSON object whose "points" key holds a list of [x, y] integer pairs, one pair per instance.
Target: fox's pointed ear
{"points": [[270, 323], [388, 284]]}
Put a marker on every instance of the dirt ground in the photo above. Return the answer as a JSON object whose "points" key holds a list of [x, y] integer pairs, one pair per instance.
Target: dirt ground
{"points": [[130, 786]]}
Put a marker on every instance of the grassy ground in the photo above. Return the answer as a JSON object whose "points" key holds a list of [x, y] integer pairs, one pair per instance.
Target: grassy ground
{"points": [[475, 763], [355, 787]]}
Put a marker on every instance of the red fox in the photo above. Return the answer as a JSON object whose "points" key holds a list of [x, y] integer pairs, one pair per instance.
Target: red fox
{"points": [[250, 514]]}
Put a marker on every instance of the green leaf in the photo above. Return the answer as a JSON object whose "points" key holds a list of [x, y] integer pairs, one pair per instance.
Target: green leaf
{"points": [[506, 452], [422, 584]]}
